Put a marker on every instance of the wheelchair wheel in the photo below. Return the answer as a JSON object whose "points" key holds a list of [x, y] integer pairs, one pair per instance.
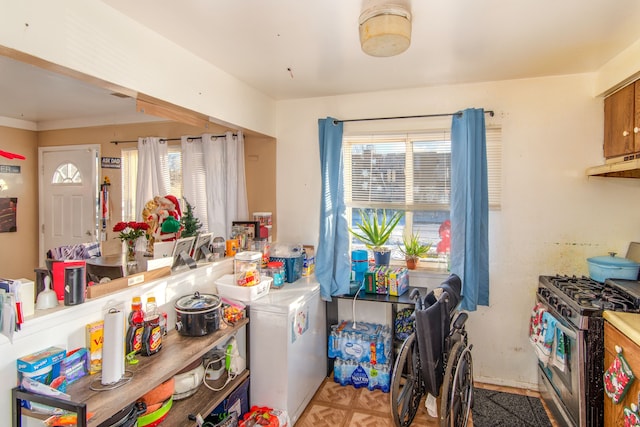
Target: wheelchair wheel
{"points": [[456, 398], [406, 383]]}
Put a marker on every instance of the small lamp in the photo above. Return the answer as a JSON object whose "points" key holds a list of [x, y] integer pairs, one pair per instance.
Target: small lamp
{"points": [[385, 30]]}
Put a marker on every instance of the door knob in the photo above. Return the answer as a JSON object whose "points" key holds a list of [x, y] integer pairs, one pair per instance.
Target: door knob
{"points": [[636, 129], [625, 133]]}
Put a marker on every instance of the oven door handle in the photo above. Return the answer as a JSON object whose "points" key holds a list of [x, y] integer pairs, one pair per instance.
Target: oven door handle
{"points": [[567, 331]]}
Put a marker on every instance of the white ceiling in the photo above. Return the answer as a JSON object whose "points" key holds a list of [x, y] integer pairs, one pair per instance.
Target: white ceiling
{"points": [[453, 41]]}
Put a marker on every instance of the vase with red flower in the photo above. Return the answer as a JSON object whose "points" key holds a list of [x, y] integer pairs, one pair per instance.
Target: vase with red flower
{"points": [[129, 233]]}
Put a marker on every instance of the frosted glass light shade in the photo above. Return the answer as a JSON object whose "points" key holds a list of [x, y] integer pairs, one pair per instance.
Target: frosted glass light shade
{"points": [[385, 31]]}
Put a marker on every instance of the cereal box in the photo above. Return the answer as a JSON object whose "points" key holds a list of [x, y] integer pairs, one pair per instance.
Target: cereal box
{"points": [[95, 337]]}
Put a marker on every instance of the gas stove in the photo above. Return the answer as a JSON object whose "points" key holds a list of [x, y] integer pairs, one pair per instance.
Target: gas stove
{"points": [[578, 298]]}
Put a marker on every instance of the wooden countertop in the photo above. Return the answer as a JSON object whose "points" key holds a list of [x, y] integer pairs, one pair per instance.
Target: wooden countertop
{"points": [[627, 323]]}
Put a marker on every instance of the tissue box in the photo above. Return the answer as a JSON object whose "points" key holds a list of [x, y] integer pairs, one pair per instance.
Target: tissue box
{"points": [[42, 366]]}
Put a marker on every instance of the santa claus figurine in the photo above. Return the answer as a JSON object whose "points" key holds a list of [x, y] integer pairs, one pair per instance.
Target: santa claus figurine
{"points": [[167, 216]]}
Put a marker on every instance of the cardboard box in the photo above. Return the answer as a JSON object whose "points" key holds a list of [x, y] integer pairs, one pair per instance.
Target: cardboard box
{"points": [[75, 365], [95, 339], [382, 286], [42, 366], [370, 282], [398, 281]]}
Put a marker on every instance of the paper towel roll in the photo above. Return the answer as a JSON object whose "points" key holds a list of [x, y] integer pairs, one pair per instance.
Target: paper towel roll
{"points": [[113, 347]]}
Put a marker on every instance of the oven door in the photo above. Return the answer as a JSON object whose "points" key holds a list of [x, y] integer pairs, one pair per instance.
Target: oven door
{"points": [[562, 384]]}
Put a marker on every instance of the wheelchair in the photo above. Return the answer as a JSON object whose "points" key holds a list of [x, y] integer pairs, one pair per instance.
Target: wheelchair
{"points": [[435, 360]]}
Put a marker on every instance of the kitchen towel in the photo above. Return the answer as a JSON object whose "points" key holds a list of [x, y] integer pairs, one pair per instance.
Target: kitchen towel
{"points": [[542, 333], [549, 336], [535, 324], [560, 353], [113, 347]]}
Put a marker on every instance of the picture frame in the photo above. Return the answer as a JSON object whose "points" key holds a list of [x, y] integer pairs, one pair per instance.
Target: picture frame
{"points": [[182, 251], [201, 247]]}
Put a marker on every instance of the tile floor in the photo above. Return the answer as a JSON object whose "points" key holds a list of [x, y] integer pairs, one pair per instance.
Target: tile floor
{"points": [[336, 406]]}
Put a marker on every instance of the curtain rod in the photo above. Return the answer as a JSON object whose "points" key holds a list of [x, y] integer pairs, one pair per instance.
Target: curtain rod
{"points": [[191, 138], [459, 113]]}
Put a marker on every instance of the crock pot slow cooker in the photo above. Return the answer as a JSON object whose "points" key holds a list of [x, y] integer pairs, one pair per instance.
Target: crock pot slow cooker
{"points": [[198, 314]]}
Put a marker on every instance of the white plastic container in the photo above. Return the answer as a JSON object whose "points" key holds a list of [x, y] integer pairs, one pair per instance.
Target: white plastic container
{"points": [[228, 289], [247, 267]]}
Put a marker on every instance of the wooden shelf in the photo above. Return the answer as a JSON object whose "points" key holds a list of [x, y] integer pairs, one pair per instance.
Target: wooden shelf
{"points": [[202, 402], [177, 352]]}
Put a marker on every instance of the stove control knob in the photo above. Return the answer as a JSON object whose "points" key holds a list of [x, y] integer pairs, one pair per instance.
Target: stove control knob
{"points": [[553, 301], [544, 292], [564, 310]]}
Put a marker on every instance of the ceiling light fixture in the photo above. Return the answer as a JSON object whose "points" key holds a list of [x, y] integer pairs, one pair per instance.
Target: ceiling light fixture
{"points": [[385, 30]]}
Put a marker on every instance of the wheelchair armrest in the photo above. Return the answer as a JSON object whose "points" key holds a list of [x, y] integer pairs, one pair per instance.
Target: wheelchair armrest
{"points": [[460, 320]]}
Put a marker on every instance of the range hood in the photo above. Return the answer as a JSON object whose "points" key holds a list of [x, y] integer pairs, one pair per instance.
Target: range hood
{"points": [[619, 167]]}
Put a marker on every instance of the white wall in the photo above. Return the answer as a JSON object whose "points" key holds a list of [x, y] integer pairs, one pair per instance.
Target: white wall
{"points": [[89, 37], [553, 217]]}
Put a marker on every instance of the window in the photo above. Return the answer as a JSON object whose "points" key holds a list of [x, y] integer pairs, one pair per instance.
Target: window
{"points": [[130, 175], [67, 173], [411, 173]]}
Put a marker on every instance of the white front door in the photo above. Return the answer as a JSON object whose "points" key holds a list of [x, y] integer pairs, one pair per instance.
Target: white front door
{"points": [[68, 196]]}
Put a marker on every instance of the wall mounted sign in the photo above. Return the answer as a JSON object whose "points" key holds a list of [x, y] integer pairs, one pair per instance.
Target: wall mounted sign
{"points": [[9, 169], [111, 162]]}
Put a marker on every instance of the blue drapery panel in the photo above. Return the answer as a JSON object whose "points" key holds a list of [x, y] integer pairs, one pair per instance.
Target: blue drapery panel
{"points": [[470, 207], [333, 266]]}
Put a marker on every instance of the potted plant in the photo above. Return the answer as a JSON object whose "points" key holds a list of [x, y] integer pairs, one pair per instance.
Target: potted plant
{"points": [[413, 250], [374, 231]]}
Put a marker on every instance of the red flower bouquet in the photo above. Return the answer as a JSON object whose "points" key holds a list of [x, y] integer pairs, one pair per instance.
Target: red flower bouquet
{"points": [[131, 231]]}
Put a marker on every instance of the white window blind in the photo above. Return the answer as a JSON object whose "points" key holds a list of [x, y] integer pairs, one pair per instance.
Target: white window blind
{"points": [[411, 172]]}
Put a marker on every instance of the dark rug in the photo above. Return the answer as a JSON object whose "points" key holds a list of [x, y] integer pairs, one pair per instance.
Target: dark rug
{"points": [[494, 408]]}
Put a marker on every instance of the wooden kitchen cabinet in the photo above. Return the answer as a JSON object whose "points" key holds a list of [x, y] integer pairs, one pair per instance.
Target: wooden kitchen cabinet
{"points": [[177, 352], [622, 122], [613, 412]]}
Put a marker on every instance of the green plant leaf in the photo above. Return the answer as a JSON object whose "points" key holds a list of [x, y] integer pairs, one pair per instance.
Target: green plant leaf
{"points": [[374, 232]]}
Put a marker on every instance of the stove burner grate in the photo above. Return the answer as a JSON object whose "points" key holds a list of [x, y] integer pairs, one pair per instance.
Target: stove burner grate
{"points": [[589, 294]]}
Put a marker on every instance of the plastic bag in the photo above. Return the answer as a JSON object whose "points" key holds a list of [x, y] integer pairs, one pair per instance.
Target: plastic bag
{"points": [[264, 416]]}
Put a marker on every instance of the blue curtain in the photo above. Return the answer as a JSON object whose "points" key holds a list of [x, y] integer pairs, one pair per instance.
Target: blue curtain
{"points": [[470, 207], [333, 266]]}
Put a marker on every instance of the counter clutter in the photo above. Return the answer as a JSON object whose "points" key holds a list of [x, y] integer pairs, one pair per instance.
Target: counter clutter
{"points": [[177, 352], [70, 386], [149, 390]]}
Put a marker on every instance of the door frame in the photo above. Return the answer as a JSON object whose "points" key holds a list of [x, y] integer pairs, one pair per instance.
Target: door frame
{"points": [[95, 192]]}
